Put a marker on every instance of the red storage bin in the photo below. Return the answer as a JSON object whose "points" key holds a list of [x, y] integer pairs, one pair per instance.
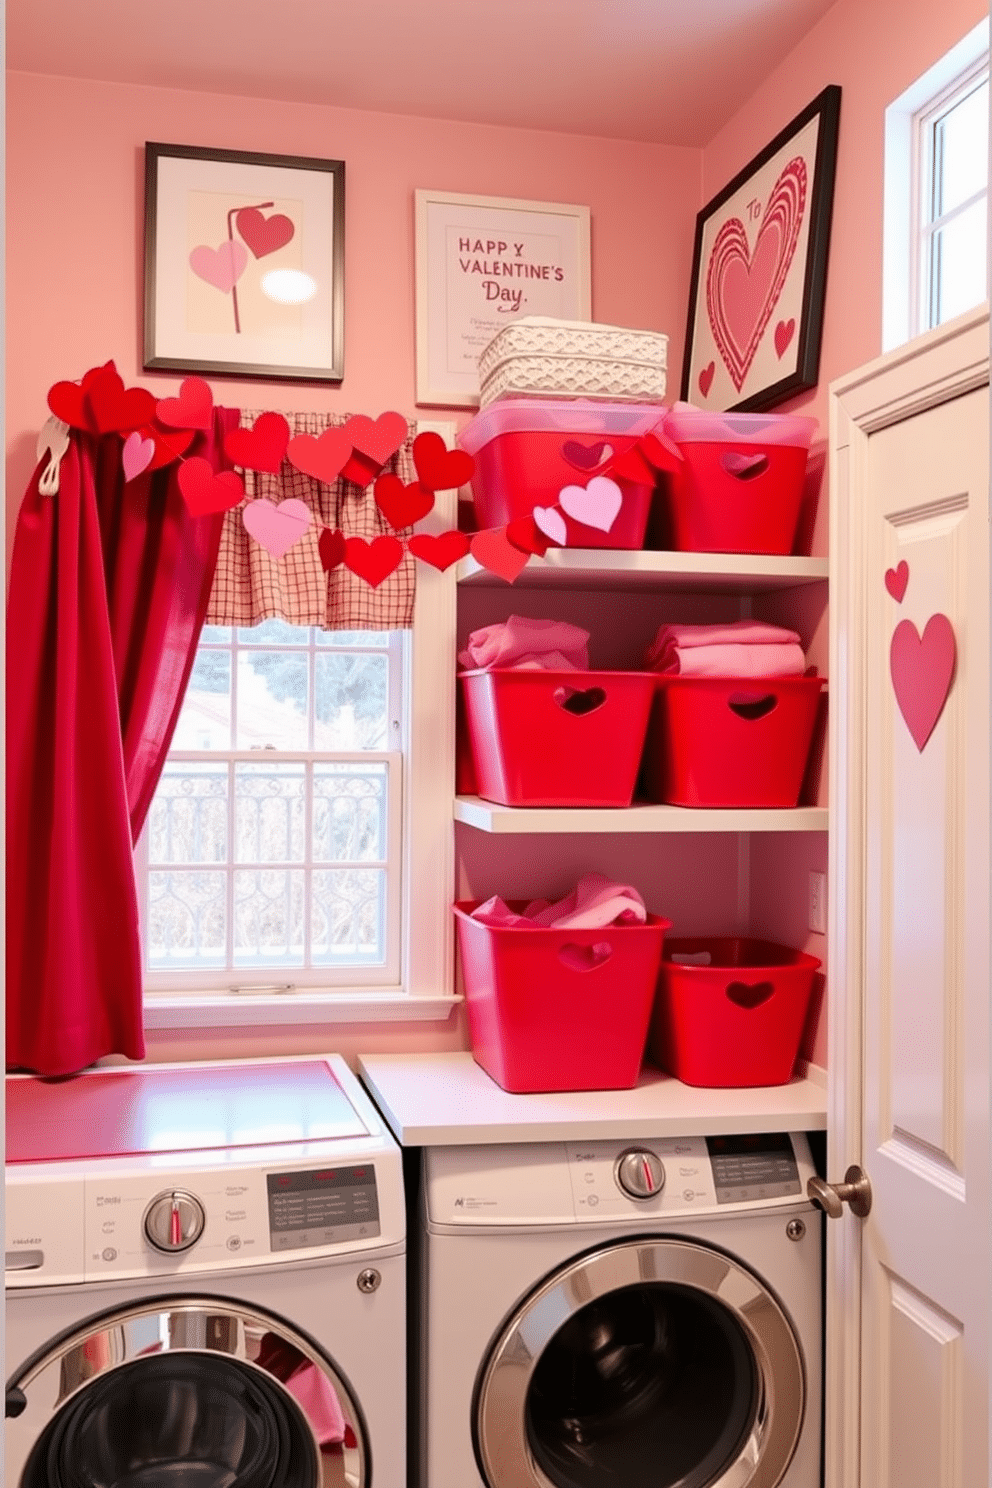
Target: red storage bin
{"points": [[556, 1009], [527, 449], [542, 738], [736, 1021], [739, 485], [730, 741]]}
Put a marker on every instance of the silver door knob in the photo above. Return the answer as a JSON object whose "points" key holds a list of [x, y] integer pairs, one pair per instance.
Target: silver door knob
{"points": [[831, 1197]]}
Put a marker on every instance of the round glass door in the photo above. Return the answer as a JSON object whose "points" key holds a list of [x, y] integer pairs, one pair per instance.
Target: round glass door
{"points": [[652, 1363], [192, 1392]]}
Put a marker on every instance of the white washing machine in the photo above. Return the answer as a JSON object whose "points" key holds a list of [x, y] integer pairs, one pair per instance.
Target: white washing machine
{"points": [[205, 1269], [642, 1315]]}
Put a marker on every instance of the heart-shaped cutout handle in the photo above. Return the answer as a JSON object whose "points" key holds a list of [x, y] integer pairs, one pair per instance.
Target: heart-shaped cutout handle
{"points": [[584, 957], [749, 994], [744, 467], [751, 706], [579, 700]]}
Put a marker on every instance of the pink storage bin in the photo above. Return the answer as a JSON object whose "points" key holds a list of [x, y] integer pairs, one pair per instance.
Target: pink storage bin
{"points": [[739, 484], [527, 449], [737, 1021], [559, 1009], [542, 738]]}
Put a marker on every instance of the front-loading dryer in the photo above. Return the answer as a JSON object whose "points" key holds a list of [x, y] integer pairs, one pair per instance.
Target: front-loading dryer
{"points": [[205, 1270], [645, 1314]]}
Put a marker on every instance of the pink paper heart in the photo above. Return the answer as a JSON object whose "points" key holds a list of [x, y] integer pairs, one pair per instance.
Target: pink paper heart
{"points": [[136, 455], [276, 527], [896, 580], [922, 670], [549, 520], [597, 504], [494, 552], [222, 267]]}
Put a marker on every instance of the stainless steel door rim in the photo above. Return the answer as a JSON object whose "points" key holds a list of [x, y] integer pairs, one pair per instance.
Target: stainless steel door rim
{"points": [[506, 1455]]}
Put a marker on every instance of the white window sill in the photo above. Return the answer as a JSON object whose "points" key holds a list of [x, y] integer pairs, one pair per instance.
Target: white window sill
{"points": [[314, 1008]]}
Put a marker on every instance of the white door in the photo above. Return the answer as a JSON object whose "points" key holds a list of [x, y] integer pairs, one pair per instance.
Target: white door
{"points": [[908, 1286]]}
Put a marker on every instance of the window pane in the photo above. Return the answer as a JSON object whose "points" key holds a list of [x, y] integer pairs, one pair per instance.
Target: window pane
{"points": [[353, 637], [962, 144], [959, 264], [273, 691], [215, 634], [205, 720], [352, 700], [349, 813], [269, 813], [187, 920], [187, 822], [273, 633], [268, 917], [348, 917]]}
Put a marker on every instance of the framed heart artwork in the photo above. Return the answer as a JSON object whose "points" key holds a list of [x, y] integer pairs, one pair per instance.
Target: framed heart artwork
{"points": [[759, 270], [244, 263]]}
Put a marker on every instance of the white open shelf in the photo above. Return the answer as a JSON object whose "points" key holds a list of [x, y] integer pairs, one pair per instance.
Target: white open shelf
{"points": [[616, 568], [488, 817], [446, 1100]]}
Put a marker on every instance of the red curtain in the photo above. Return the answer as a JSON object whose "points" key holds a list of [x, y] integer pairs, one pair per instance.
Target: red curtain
{"points": [[108, 589]]}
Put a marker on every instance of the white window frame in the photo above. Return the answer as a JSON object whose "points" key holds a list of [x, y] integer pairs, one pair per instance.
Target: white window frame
{"points": [[426, 987], [906, 121]]}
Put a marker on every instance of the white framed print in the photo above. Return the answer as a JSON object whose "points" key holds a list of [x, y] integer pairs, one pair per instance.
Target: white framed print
{"points": [[482, 262]]}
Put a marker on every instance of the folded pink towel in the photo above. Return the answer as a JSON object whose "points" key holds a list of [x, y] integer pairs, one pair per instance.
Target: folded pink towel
{"points": [[744, 648], [595, 901], [521, 642]]}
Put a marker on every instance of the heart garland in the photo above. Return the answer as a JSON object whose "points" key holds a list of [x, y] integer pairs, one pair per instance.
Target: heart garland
{"points": [[156, 432]]}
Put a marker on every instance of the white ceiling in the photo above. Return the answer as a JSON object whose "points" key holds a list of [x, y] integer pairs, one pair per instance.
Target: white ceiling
{"points": [[665, 71]]}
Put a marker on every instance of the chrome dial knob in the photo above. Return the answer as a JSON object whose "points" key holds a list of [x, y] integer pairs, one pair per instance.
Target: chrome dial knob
{"points": [[174, 1220], [640, 1173]]}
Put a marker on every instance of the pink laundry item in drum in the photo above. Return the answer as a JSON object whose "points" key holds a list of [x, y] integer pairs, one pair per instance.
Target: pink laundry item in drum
{"points": [[743, 648], [595, 901], [522, 642]]}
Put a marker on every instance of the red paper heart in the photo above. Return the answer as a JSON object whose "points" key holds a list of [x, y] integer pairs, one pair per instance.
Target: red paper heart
{"points": [[494, 552], [169, 443], [205, 492], [439, 551], [922, 670], [784, 332], [524, 533], [330, 546], [896, 580], [115, 409], [380, 440], [67, 401], [402, 505], [193, 409], [632, 466], [323, 458], [706, 378], [438, 468], [359, 469], [661, 452], [264, 234], [373, 561], [261, 447]]}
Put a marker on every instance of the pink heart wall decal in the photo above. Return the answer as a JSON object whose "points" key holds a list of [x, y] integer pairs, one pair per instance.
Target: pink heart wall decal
{"points": [[596, 504], [922, 670], [276, 527], [896, 580], [136, 455], [784, 332], [264, 234], [743, 287], [222, 267]]}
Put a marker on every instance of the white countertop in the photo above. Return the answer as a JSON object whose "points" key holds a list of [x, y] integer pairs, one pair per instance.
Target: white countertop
{"points": [[447, 1100]]}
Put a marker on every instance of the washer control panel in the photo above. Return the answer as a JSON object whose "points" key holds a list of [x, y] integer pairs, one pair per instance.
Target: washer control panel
{"points": [[322, 1206], [658, 1176], [746, 1169]]}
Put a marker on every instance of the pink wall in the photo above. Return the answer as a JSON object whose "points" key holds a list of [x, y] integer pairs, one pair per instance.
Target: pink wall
{"points": [[874, 49], [74, 230]]}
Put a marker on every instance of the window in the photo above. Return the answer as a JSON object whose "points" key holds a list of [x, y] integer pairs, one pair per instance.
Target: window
{"points": [[273, 846], [936, 190]]}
